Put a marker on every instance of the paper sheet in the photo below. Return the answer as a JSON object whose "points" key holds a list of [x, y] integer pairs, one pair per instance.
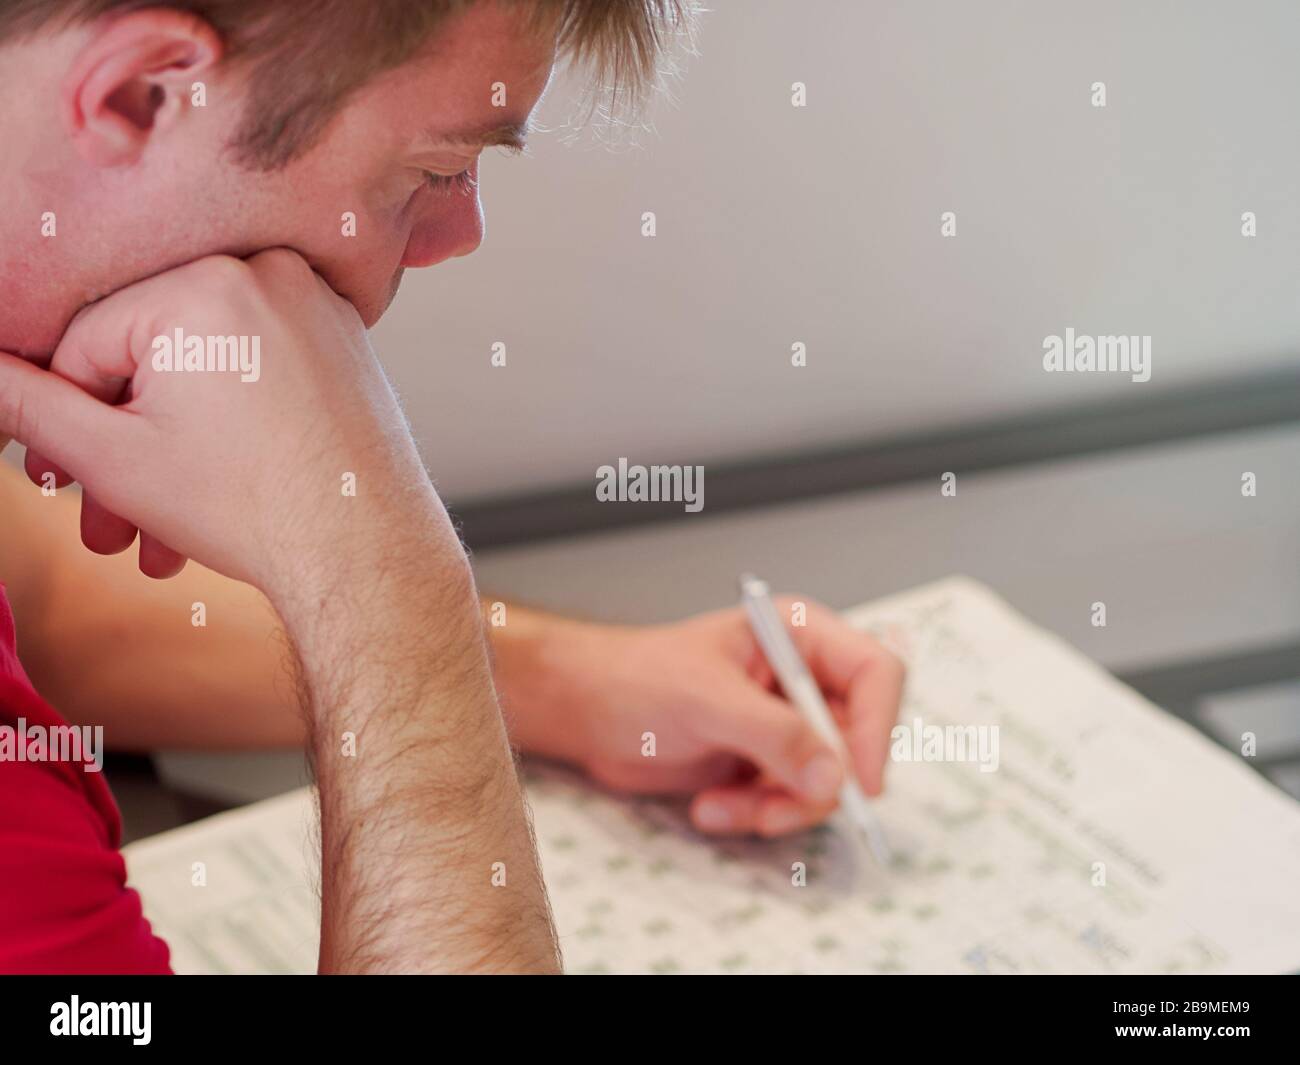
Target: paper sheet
{"points": [[1112, 838]]}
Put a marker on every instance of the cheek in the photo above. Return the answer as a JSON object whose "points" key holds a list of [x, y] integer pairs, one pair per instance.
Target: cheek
{"points": [[362, 258]]}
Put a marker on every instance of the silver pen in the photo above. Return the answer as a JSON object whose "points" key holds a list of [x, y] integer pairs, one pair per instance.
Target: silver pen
{"points": [[801, 689]]}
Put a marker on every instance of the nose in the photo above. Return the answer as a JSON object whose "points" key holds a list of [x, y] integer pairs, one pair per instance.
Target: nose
{"points": [[450, 226]]}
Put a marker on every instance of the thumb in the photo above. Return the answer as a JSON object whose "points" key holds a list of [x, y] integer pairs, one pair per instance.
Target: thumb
{"points": [[768, 731], [44, 412]]}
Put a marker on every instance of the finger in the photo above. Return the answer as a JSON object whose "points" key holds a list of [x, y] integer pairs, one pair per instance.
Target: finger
{"points": [[873, 702], [106, 377], [157, 560], [646, 778], [756, 808], [43, 472], [70, 363], [858, 671], [94, 357], [749, 721], [57, 419], [102, 531]]}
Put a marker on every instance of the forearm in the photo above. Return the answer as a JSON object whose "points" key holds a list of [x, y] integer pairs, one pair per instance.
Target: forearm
{"points": [[200, 661], [427, 855], [108, 646], [543, 665]]}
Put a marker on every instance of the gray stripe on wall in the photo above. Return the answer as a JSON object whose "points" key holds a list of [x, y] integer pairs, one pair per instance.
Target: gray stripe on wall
{"points": [[1220, 407]]}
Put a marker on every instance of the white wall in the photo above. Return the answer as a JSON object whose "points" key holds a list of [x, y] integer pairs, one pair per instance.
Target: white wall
{"points": [[822, 225]]}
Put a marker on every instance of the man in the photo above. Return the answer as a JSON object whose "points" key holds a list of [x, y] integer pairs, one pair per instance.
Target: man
{"points": [[131, 213]]}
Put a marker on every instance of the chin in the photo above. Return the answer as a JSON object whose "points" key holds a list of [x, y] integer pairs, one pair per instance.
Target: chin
{"points": [[37, 349], [379, 312], [40, 322]]}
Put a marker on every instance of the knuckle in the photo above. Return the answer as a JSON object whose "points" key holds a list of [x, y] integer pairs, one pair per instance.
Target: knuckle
{"points": [[17, 418], [884, 657], [893, 662], [798, 742], [786, 604], [226, 278], [225, 269], [282, 263]]}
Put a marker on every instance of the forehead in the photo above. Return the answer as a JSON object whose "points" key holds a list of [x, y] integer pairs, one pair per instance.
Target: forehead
{"points": [[477, 80]]}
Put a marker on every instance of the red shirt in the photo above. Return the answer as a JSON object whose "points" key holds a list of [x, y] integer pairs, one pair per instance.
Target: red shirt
{"points": [[64, 903]]}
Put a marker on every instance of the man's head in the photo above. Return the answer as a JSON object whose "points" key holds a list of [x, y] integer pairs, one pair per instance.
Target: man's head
{"points": [[143, 137]]}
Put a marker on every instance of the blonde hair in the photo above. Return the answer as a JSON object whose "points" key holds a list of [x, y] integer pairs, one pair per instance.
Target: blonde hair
{"points": [[307, 57]]}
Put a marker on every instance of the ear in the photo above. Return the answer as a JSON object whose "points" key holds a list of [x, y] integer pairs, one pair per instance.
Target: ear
{"points": [[132, 80]]}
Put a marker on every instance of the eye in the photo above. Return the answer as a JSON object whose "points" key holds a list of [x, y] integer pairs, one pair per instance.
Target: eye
{"points": [[464, 182]]}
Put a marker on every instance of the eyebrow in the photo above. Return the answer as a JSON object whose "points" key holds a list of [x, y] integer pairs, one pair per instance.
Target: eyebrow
{"points": [[506, 136]]}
